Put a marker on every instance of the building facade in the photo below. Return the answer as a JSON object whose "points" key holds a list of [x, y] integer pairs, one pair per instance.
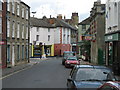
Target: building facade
{"points": [[82, 37], [17, 32], [97, 30], [0, 34], [41, 32], [112, 35], [74, 33]]}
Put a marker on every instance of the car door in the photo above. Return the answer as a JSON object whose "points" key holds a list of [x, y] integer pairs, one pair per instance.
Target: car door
{"points": [[71, 79]]}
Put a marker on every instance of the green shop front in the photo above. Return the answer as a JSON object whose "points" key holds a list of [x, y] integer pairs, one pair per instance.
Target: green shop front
{"points": [[112, 51]]}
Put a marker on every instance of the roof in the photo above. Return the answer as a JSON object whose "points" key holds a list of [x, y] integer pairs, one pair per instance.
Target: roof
{"points": [[93, 66], [62, 23], [39, 23], [86, 21]]}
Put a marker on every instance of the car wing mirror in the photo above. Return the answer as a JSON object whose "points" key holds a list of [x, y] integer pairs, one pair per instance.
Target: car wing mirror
{"points": [[69, 79], [79, 59]]}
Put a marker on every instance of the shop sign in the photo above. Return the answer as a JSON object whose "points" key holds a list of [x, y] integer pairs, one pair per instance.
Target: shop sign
{"points": [[2, 42], [113, 37]]}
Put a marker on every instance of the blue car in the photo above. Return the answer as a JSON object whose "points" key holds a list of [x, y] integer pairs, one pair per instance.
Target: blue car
{"points": [[89, 76]]}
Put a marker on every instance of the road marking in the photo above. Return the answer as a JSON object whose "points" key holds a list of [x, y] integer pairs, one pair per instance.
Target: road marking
{"points": [[15, 72]]}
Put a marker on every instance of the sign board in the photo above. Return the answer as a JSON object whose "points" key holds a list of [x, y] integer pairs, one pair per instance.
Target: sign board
{"points": [[112, 37], [2, 42]]}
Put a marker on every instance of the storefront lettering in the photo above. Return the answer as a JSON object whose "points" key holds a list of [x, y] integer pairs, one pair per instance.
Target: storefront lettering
{"points": [[110, 37]]}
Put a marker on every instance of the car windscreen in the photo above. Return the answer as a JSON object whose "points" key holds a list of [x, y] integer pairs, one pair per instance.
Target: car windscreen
{"points": [[93, 74], [71, 58], [68, 54]]}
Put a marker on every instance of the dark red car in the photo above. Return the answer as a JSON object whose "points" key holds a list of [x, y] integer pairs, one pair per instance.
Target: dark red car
{"points": [[111, 85], [71, 61]]}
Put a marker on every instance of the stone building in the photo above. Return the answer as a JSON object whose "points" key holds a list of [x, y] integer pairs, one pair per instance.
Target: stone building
{"points": [[16, 32], [97, 29]]}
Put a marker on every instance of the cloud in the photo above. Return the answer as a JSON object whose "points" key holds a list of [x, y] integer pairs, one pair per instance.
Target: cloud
{"points": [[64, 7]]}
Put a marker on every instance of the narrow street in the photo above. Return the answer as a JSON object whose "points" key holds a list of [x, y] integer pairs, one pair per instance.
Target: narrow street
{"points": [[47, 74]]}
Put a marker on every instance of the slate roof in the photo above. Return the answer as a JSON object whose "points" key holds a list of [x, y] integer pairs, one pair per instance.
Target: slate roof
{"points": [[62, 23], [39, 23], [86, 21]]}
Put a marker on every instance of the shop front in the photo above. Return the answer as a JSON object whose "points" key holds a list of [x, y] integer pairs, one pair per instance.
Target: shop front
{"points": [[112, 51]]}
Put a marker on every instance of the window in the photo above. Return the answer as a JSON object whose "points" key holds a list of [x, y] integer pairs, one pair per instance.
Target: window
{"points": [[8, 53], [64, 39], [83, 27], [23, 12], [18, 9], [8, 5], [48, 37], [13, 7], [0, 25], [22, 51], [22, 30], [18, 30], [18, 52], [48, 29], [13, 29], [26, 13], [8, 28], [26, 32], [37, 38], [68, 39], [37, 29]]}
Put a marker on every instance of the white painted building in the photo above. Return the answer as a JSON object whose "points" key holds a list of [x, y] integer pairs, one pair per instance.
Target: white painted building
{"points": [[0, 31], [112, 15], [42, 32], [112, 35]]}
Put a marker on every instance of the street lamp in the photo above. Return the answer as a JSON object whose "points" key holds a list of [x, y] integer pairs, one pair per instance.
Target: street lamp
{"points": [[33, 13]]}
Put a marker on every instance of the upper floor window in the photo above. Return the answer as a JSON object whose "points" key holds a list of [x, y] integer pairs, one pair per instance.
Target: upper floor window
{"points": [[22, 30], [13, 29], [37, 38], [26, 32], [27, 13], [18, 30], [8, 5], [48, 37], [8, 28], [83, 27], [37, 29], [13, 7], [18, 9], [48, 29], [23, 12]]}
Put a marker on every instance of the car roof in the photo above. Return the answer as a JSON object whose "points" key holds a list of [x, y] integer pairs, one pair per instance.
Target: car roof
{"points": [[68, 52], [114, 83], [92, 66]]}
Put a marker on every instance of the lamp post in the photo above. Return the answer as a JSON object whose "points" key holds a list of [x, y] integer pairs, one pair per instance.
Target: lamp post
{"points": [[33, 13]]}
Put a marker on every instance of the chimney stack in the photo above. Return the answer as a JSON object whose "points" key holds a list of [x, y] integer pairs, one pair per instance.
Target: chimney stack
{"points": [[59, 16]]}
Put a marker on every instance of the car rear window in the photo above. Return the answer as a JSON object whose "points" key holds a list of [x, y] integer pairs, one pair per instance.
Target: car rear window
{"points": [[87, 74]]}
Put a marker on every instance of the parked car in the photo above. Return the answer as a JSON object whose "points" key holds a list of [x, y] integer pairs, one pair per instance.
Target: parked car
{"points": [[65, 55], [110, 86], [71, 61], [89, 76]]}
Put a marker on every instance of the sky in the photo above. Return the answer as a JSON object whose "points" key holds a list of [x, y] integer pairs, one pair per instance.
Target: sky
{"points": [[64, 7]]}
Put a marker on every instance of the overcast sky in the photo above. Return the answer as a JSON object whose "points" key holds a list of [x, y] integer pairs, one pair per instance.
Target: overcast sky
{"points": [[64, 7]]}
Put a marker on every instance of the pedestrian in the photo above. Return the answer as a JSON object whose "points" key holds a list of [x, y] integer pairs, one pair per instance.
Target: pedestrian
{"points": [[40, 55]]}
